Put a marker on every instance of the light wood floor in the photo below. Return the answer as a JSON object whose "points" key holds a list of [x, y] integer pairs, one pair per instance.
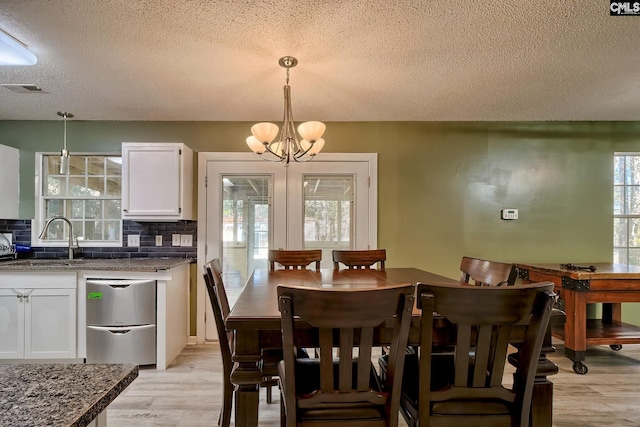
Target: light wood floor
{"points": [[189, 392]]}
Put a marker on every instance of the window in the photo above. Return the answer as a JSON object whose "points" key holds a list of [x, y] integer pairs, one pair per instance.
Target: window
{"points": [[626, 208], [89, 196]]}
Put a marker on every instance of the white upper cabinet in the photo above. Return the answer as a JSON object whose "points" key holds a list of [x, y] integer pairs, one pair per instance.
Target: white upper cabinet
{"points": [[157, 181], [9, 182]]}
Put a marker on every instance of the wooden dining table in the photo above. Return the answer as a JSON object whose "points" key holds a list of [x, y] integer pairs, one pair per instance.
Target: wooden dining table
{"points": [[255, 319]]}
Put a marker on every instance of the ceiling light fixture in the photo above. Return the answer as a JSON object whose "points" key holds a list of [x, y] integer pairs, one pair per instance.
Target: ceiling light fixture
{"points": [[14, 52], [64, 154], [287, 147]]}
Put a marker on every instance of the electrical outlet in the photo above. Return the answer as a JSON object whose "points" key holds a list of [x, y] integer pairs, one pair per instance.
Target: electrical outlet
{"points": [[133, 240], [158, 239], [175, 240], [186, 240]]}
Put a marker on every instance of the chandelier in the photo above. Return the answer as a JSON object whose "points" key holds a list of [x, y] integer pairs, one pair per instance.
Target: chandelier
{"points": [[286, 147]]}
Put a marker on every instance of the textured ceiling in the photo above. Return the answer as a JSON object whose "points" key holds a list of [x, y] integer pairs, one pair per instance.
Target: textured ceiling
{"points": [[360, 60]]}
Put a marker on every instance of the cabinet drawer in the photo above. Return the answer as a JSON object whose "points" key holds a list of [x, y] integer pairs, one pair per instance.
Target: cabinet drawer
{"points": [[125, 344], [115, 302], [39, 279]]}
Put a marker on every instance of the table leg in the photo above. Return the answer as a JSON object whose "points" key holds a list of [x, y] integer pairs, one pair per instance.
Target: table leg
{"points": [[246, 376], [611, 313], [542, 398], [575, 328]]}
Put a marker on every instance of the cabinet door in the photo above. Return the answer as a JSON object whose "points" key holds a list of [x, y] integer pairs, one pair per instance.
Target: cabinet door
{"points": [[151, 181], [50, 324], [11, 324], [9, 182]]}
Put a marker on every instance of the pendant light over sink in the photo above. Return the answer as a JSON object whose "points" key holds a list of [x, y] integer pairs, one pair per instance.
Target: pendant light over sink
{"points": [[64, 154], [286, 147]]}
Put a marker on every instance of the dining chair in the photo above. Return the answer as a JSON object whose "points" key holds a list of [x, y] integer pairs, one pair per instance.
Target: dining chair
{"points": [[468, 389], [482, 272], [363, 259], [475, 271], [294, 259], [220, 305], [338, 388]]}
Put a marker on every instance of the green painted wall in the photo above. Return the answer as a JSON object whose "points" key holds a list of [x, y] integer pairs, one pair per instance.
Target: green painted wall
{"points": [[441, 185]]}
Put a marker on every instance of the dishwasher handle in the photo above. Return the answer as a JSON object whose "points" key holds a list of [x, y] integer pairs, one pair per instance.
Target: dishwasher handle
{"points": [[118, 283], [120, 330]]}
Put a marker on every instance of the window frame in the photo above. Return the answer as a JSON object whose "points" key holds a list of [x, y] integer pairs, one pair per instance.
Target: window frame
{"points": [[39, 220]]}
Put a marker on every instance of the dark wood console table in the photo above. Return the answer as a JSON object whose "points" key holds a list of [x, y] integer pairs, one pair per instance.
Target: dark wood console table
{"points": [[610, 284]]}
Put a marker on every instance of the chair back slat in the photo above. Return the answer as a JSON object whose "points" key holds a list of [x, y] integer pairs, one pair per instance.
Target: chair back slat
{"points": [[483, 351], [326, 360], [346, 320], [500, 357], [481, 272], [364, 364], [294, 259], [463, 347], [345, 361], [364, 259]]}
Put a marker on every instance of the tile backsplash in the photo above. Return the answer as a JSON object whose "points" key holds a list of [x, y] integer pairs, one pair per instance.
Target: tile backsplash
{"points": [[21, 231]]}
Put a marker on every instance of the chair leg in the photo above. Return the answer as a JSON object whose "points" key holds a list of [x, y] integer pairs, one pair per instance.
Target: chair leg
{"points": [[283, 415], [269, 394], [227, 399]]}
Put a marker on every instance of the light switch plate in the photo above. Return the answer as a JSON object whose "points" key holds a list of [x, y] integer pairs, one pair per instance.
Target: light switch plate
{"points": [[175, 240], [133, 240], [158, 239], [186, 240]]}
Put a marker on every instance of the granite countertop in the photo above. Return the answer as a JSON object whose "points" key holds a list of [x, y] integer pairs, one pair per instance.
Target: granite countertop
{"points": [[111, 264], [59, 394]]}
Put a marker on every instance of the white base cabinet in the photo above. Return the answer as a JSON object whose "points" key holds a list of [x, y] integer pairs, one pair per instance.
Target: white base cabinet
{"points": [[38, 315]]}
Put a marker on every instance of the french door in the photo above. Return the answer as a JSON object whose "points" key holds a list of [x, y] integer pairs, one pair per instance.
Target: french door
{"points": [[250, 206]]}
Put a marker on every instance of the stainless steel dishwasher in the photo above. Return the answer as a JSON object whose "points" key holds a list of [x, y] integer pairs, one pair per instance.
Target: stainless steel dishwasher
{"points": [[121, 321]]}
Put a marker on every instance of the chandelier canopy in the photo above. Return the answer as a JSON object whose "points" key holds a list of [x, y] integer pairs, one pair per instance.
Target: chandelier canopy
{"points": [[286, 147]]}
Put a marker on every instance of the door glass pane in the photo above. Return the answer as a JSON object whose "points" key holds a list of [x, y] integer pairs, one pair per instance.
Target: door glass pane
{"points": [[245, 228], [328, 213]]}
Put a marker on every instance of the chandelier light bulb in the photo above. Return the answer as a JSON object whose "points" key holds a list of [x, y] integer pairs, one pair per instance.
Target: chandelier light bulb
{"points": [[311, 130], [317, 146], [265, 132], [255, 145]]}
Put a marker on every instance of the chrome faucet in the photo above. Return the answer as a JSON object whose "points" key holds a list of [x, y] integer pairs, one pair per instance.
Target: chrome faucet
{"points": [[46, 227]]}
